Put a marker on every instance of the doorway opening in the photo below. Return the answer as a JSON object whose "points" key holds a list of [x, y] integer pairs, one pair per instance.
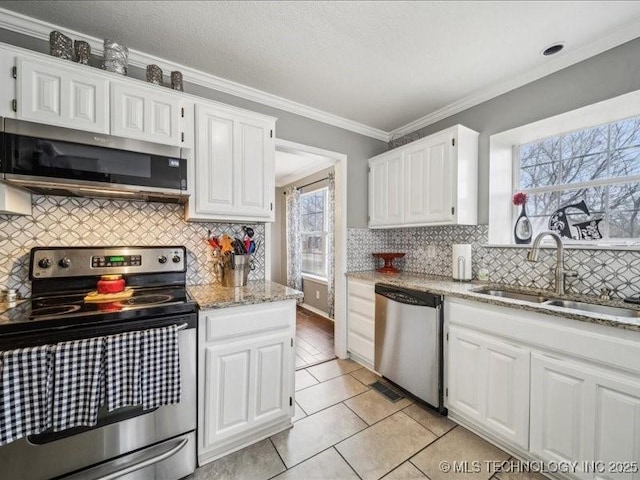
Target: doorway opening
{"points": [[311, 183]]}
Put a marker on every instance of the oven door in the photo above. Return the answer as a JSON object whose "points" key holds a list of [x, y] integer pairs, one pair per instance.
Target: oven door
{"points": [[146, 441]]}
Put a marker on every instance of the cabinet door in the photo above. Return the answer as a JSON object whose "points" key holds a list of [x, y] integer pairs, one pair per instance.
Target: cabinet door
{"points": [[439, 186], [55, 94], [272, 400], [506, 409], [254, 167], [559, 398], [247, 385], [386, 202], [377, 192], [214, 161], [428, 180], [144, 113], [488, 382], [465, 373], [617, 425]]}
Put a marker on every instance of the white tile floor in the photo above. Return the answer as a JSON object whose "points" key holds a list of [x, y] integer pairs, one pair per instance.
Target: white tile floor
{"points": [[345, 430]]}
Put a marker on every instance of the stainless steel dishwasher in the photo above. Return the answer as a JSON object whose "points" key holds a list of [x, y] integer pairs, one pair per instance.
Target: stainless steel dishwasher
{"points": [[408, 341]]}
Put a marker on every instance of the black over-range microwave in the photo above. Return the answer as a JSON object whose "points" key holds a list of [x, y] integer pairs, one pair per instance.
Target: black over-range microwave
{"points": [[62, 161]]}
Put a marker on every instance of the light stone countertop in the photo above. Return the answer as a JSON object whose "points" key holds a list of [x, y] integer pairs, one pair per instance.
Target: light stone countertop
{"points": [[467, 290], [213, 296]]}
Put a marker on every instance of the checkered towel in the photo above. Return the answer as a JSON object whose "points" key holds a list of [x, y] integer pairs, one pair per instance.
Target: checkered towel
{"points": [[25, 389], [78, 382], [160, 367], [122, 375]]}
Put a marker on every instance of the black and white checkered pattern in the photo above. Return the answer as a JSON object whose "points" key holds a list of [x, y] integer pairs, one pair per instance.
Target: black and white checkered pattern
{"points": [[78, 382], [122, 369], [25, 392], [160, 367]]}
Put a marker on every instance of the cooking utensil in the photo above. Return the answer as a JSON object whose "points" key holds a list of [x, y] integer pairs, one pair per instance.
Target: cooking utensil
{"points": [[248, 231], [226, 244]]}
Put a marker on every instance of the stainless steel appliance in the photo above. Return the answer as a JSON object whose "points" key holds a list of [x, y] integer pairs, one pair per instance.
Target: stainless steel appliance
{"points": [[127, 443], [62, 161], [409, 343]]}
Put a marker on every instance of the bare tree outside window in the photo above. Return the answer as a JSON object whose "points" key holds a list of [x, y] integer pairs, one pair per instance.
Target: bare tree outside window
{"points": [[314, 232], [600, 165]]}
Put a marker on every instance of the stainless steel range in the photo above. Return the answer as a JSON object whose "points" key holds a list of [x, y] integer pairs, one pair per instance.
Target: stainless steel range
{"points": [[128, 443]]}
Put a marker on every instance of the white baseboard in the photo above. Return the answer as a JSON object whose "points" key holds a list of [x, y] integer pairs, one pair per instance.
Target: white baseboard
{"points": [[315, 310]]}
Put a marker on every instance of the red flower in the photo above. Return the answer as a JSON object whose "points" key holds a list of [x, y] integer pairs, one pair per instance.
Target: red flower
{"points": [[520, 198]]}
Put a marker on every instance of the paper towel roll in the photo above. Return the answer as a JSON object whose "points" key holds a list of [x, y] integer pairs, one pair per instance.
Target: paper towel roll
{"points": [[461, 261]]}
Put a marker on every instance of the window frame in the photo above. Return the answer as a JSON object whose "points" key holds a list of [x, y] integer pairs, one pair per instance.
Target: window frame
{"points": [[502, 214], [325, 234], [567, 187]]}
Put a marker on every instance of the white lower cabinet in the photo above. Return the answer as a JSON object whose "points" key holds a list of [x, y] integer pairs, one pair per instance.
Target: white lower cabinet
{"points": [[548, 388], [246, 376], [489, 383], [361, 310], [584, 414]]}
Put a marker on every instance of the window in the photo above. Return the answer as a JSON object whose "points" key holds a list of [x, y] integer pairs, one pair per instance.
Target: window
{"points": [[314, 232], [600, 165]]}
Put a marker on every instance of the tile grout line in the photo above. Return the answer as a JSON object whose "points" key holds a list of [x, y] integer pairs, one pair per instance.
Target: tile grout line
{"points": [[437, 436], [427, 446], [279, 456], [347, 461]]}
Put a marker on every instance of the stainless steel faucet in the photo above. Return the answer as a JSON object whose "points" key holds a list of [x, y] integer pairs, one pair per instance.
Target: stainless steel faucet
{"points": [[561, 273]]}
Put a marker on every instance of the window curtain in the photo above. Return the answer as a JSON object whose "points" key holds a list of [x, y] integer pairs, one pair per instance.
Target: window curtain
{"points": [[294, 239], [331, 254]]}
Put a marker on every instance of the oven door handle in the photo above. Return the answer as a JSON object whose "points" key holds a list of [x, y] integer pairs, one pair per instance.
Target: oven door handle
{"points": [[182, 327], [145, 463]]}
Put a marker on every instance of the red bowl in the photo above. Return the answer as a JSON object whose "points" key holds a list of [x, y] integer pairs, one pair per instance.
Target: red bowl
{"points": [[111, 286]]}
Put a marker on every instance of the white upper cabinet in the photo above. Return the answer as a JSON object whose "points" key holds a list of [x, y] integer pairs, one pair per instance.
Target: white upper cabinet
{"points": [[146, 113], [428, 180], [53, 93], [432, 181], [385, 198], [233, 170]]}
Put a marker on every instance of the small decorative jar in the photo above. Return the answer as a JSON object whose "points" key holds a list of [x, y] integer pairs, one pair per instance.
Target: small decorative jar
{"points": [[154, 74], [176, 80], [83, 52], [60, 45], [116, 57]]}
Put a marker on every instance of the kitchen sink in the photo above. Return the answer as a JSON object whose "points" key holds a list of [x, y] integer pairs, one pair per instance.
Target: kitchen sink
{"points": [[527, 297], [591, 307]]}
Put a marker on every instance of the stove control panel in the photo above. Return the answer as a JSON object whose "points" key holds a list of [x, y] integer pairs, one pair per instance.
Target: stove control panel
{"points": [[58, 262], [104, 261]]}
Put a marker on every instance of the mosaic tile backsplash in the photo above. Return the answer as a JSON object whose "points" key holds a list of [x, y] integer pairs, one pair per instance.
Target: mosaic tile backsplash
{"points": [[428, 251], [68, 221]]}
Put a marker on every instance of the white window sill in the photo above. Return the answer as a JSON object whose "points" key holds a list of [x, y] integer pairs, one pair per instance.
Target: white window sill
{"points": [[315, 278], [571, 246]]}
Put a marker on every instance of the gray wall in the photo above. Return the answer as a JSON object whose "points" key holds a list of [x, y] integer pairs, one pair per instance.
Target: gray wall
{"points": [[294, 128], [598, 78], [310, 288]]}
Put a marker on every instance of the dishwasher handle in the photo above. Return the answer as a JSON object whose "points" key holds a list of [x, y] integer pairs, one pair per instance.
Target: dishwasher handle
{"points": [[409, 297]]}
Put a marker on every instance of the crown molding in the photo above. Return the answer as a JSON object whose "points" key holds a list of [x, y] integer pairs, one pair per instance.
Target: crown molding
{"points": [[35, 28], [32, 27], [554, 64]]}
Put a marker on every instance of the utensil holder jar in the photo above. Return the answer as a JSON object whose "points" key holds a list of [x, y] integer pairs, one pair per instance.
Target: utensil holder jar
{"points": [[233, 270]]}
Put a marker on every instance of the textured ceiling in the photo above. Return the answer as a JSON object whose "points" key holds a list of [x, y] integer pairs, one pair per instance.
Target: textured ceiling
{"points": [[383, 64]]}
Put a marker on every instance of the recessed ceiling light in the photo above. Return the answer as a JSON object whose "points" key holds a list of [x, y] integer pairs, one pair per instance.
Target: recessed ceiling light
{"points": [[553, 49]]}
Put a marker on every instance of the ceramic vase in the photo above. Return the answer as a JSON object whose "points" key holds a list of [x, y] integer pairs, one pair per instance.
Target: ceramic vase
{"points": [[522, 230]]}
